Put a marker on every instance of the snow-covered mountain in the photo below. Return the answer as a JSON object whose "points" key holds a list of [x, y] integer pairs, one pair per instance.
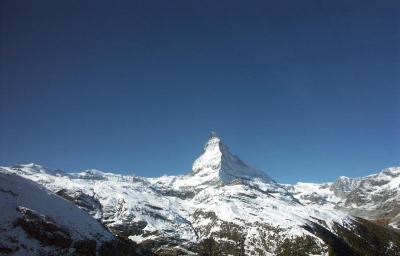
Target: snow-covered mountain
{"points": [[217, 164], [375, 197], [35, 221], [222, 207]]}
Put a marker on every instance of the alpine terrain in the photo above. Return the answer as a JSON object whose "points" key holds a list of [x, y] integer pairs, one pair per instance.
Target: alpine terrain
{"points": [[222, 207]]}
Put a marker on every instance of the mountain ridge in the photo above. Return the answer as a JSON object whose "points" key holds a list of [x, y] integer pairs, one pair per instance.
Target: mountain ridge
{"points": [[246, 213]]}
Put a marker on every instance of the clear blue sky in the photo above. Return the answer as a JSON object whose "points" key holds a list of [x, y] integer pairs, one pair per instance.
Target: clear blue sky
{"points": [[305, 90]]}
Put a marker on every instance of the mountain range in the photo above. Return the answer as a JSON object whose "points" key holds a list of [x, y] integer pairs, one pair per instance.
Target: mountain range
{"points": [[222, 207]]}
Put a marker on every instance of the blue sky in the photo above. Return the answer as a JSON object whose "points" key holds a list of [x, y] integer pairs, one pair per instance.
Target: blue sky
{"points": [[305, 90]]}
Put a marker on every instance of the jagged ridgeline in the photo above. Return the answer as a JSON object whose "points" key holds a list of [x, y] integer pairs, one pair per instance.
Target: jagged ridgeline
{"points": [[223, 206]]}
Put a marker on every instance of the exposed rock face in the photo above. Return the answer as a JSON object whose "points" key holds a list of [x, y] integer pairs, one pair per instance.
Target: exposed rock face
{"points": [[86, 202], [43, 228]]}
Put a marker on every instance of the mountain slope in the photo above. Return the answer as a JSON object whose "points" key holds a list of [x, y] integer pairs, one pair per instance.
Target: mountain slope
{"points": [[374, 197], [34, 221]]}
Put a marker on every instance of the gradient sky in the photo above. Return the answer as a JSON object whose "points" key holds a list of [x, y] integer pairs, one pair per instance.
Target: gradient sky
{"points": [[305, 90]]}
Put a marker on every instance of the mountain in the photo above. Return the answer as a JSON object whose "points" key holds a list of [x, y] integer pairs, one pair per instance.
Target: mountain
{"points": [[222, 207], [218, 164], [375, 197], [35, 221]]}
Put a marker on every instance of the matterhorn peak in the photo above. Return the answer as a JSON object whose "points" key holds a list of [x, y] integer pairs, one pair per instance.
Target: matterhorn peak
{"points": [[217, 162], [214, 144]]}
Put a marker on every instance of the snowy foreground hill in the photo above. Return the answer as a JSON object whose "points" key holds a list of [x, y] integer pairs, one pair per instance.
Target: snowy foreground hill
{"points": [[35, 221], [222, 207]]}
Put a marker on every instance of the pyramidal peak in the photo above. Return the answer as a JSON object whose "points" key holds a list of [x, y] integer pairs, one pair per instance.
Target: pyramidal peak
{"points": [[217, 162], [215, 146]]}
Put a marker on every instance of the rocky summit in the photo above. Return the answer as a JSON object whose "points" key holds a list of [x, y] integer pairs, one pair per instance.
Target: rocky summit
{"points": [[222, 206]]}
